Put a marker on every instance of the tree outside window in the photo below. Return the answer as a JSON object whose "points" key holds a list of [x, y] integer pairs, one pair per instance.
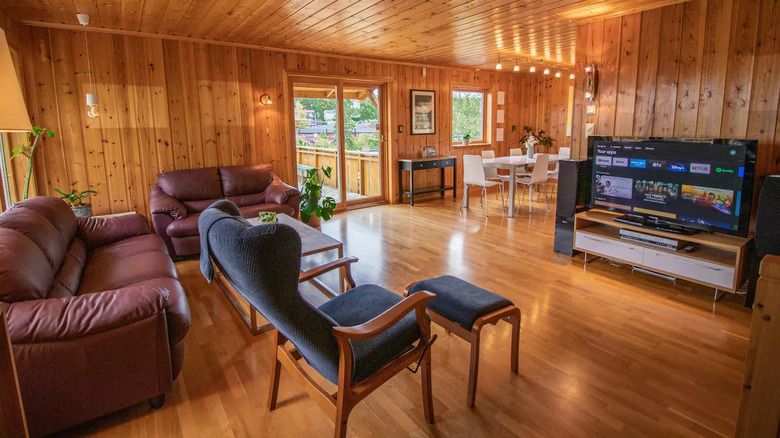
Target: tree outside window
{"points": [[468, 115]]}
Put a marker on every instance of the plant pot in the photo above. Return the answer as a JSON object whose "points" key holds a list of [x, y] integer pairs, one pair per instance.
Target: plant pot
{"points": [[314, 221], [466, 141], [82, 210]]}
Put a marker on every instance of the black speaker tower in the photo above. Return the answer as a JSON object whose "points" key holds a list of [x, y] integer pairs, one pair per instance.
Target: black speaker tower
{"points": [[573, 196]]}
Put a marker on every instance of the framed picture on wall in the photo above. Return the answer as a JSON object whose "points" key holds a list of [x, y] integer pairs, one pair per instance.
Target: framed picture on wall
{"points": [[423, 112]]}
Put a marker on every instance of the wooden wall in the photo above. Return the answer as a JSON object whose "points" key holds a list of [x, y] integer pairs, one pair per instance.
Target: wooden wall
{"points": [[170, 104], [705, 68]]}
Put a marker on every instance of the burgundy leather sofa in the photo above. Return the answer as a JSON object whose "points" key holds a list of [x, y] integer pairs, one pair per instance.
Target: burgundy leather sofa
{"points": [[180, 196], [96, 315]]}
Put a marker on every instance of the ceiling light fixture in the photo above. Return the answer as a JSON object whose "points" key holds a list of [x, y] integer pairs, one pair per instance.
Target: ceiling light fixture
{"points": [[557, 74], [498, 65], [532, 69], [546, 71], [571, 76], [92, 99], [517, 67]]}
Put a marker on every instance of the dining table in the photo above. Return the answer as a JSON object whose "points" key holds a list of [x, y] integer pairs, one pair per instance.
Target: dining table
{"points": [[512, 164]]}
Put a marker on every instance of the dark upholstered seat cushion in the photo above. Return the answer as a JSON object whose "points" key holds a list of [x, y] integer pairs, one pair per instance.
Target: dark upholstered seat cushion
{"points": [[184, 227], [460, 301], [363, 304]]}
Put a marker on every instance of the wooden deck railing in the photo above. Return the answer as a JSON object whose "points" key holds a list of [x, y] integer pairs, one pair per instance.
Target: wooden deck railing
{"points": [[363, 172]]}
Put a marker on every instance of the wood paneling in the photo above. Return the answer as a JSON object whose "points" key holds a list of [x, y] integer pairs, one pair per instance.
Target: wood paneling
{"points": [[710, 71], [168, 105], [443, 32]]}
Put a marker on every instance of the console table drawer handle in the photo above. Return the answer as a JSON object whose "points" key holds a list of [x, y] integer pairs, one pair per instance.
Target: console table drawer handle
{"points": [[688, 263]]}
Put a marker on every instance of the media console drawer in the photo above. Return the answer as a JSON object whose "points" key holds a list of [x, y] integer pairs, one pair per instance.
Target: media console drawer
{"points": [[700, 270], [620, 251]]}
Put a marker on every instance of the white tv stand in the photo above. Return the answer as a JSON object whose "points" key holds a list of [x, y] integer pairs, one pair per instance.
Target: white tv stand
{"points": [[717, 262]]}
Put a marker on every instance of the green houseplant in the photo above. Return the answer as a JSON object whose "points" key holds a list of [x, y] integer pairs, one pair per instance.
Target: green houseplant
{"points": [[313, 205], [28, 150], [466, 139], [76, 201]]}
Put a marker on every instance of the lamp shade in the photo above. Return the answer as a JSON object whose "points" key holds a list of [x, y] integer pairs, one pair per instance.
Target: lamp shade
{"points": [[13, 111]]}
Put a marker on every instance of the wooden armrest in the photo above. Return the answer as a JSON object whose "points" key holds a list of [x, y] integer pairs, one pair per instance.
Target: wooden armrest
{"points": [[327, 267], [387, 319]]}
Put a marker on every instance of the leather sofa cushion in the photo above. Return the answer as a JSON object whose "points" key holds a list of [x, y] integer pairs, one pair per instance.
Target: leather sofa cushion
{"points": [[25, 272], [55, 211], [177, 309], [40, 231], [251, 199], [68, 278], [245, 180], [191, 184], [132, 246], [115, 270], [184, 227], [198, 206]]}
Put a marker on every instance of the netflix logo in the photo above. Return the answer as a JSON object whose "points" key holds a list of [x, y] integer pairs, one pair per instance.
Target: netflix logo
{"points": [[701, 168]]}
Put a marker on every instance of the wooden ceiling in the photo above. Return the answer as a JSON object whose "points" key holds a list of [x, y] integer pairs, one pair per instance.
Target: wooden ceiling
{"points": [[459, 33]]}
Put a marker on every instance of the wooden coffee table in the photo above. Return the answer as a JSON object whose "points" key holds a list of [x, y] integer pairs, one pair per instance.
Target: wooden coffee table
{"points": [[313, 241]]}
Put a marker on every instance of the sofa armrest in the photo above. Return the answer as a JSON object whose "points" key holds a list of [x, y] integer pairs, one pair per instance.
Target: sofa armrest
{"points": [[163, 203], [62, 319], [99, 231], [278, 192]]}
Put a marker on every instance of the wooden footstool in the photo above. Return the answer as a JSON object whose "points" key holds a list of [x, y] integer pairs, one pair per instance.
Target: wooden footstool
{"points": [[463, 308]]}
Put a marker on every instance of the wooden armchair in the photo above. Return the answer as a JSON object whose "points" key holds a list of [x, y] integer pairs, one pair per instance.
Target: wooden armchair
{"points": [[357, 340]]}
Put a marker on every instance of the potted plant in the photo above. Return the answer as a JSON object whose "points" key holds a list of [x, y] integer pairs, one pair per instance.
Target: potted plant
{"points": [[268, 217], [466, 139], [28, 150], [530, 139], [314, 207], [76, 201]]}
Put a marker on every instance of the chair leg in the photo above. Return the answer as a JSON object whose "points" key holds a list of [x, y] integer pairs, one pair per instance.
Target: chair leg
{"points": [[501, 191], [484, 195], [276, 368], [465, 193], [515, 320], [427, 388], [343, 410], [473, 369], [547, 198]]}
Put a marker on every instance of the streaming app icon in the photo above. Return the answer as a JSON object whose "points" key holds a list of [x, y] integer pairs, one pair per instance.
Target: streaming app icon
{"points": [[621, 162], [603, 160], [701, 168], [656, 164], [637, 163], [676, 167]]}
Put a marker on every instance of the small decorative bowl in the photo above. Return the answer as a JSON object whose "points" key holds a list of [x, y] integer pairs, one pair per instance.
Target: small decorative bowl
{"points": [[268, 217]]}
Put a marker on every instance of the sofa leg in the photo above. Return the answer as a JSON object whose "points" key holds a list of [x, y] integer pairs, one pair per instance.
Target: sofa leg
{"points": [[157, 402]]}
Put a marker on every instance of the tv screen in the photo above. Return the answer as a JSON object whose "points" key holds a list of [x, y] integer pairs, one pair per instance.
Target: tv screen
{"points": [[702, 184]]}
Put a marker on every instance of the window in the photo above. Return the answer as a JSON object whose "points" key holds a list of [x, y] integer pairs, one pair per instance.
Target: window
{"points": [[469, 115]]}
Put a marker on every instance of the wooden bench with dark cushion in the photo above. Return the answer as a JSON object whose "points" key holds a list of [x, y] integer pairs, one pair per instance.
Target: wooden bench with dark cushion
{"points": [[463, 308]]}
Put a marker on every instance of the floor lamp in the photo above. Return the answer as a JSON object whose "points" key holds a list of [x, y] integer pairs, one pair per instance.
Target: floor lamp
{"points": [[13, 118], [13, 111]]}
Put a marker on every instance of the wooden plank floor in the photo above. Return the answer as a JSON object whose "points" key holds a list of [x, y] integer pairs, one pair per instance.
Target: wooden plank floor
{"points": [[603, 352]]}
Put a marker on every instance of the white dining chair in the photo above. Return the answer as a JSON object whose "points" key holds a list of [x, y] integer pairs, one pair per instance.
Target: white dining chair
{"points": [[491, 173], [516, 152], [563, 154], [538, 176], [474, 175]]}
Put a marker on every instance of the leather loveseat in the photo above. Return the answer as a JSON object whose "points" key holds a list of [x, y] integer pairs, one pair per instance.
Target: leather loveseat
{"points": [[180, 196], [96, 315]]}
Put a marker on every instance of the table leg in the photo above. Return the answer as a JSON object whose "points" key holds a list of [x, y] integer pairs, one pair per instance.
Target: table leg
{"points": [[442, 182], [455, 180], [411, 187], [512, 188], [342, 276], [400, 185]]}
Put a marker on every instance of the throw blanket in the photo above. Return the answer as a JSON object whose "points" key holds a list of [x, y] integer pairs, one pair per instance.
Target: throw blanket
{"points": [[216, 212]]}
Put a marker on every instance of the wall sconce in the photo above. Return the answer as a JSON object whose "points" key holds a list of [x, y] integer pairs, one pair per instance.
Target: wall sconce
{"points": [[266, 99], [591, 76]]}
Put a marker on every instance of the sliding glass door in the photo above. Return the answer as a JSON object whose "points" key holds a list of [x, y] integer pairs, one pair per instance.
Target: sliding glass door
{"points": [[339, 125]]}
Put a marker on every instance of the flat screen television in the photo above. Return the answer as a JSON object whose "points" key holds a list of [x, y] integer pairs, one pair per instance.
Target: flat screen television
{"points": [[679, 184]]}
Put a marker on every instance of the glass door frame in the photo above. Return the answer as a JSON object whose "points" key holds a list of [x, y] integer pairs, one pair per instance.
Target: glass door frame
{"points": [[339, 83]]}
